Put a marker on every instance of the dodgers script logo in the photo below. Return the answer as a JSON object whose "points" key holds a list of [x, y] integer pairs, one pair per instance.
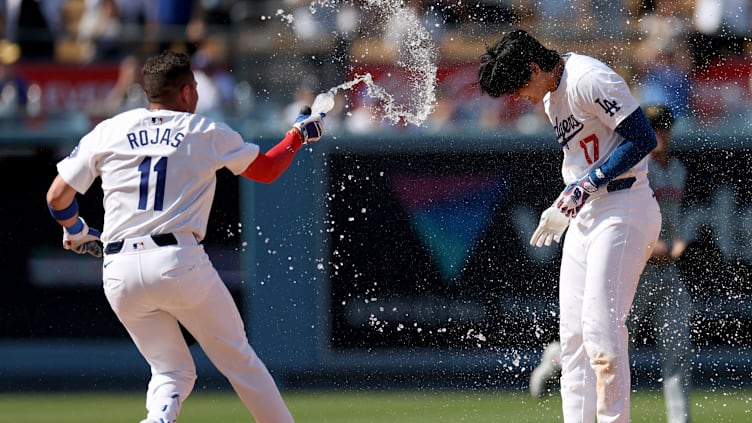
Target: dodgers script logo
{"points": [[567, 129]]}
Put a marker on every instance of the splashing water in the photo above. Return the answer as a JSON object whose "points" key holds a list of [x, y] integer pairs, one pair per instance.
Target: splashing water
{"points": [[325, 101], [416, 56]]}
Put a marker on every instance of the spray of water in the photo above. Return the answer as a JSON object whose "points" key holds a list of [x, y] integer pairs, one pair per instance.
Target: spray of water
{"points": [[416, 57]]}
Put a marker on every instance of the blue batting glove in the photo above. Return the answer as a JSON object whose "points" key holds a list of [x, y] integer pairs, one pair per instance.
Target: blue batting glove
{"points": [[311, 126]]}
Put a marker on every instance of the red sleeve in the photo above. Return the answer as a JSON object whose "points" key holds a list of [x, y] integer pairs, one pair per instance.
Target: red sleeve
{"points": [[270, 165]]}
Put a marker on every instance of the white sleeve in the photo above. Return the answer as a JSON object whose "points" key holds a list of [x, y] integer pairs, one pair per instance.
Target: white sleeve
{"points": [[79, 169], [232, 151], [606, 95]]}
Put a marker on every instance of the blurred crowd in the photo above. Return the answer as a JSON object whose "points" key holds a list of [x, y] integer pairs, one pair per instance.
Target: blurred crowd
{"points": [[257, 61]]}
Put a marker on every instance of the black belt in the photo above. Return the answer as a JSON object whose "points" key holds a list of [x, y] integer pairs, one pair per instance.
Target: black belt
{"points": [[160, 239], [620, 184]]}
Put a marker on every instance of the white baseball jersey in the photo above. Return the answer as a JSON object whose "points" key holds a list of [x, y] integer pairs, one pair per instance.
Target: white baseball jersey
{"points": [[153, 166], [590, 102]]}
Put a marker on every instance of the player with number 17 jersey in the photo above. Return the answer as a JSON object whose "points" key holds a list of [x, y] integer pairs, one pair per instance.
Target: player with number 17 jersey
{"points": [[590, 102], [606, 208], [155, 177]]}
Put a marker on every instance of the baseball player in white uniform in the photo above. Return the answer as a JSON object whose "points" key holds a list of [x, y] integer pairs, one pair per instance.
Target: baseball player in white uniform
{"points": [[158, 172], [662, 303], [612, 217]]}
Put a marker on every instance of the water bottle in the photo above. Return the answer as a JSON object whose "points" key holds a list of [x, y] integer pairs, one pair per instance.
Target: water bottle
{"points": [[323, 102]]}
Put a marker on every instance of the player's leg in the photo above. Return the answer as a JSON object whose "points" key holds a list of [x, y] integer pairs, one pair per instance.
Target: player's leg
{"points": [[577, 377], [155, 333], [616, 256], [674, 342], [216, 324]]}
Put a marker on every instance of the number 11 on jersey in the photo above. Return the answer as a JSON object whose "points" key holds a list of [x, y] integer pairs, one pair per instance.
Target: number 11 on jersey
{"points": [[145, 169]]}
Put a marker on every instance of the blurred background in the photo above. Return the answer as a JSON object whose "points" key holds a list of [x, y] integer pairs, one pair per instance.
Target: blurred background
{"points": [[390, 254]]}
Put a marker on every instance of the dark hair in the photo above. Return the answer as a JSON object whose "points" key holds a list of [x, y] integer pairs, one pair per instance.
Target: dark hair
{"points": [[505, 68], [165, 74], [659, 116]]}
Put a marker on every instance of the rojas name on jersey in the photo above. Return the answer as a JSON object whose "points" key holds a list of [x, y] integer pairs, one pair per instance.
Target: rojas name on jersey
{"points": [[154, 136]]}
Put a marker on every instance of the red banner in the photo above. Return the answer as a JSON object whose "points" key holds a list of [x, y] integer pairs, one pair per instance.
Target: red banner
{"points": [[70, 87]]}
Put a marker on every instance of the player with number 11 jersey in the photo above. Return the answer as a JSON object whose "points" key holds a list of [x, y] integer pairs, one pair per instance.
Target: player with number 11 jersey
{"points": [[158, 169]]}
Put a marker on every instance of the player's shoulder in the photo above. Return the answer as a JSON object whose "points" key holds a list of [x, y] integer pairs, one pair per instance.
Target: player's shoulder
{"points": [[587, 74], [202, 124], [583, 65], [214, 125]]}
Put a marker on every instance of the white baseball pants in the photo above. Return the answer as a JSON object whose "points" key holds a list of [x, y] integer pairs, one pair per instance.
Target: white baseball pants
{"points": [[150, 289], [605, 251]]}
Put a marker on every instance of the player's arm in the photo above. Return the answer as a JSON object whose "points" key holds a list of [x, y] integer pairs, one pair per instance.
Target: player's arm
{"points": [[77, 236], [60, 199], [269, 166], [639, 141]]}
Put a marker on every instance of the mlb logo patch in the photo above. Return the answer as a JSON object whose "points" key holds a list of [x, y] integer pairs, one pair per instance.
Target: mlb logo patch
{"points": [[137, 245], [154, 121]]}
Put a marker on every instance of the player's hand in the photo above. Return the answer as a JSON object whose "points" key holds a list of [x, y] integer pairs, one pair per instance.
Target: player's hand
{"points": [[550, 228], [84, 242], [574, 196], [310, 126]]}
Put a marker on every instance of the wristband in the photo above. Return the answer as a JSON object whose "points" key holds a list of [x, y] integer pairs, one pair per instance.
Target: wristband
{"points": [[76, 227], [65, 213], [598, 177]]}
